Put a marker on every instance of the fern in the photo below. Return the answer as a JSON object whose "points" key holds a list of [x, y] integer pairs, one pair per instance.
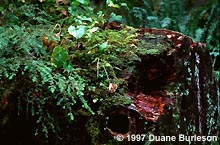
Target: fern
{"points": [[26, 66]]}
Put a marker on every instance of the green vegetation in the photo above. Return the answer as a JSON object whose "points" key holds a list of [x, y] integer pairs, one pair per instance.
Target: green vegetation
{"points": [[201, 24], [59, 55]]}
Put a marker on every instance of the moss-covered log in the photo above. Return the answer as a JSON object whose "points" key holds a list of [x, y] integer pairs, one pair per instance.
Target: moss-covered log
{"points": [[172, 90], [109, 82]]}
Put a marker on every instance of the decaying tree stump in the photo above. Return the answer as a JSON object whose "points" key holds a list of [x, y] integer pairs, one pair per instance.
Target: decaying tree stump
{"points": [[172, 87]]}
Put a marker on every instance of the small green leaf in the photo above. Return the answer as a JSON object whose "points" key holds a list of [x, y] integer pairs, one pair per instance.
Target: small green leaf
{"points": [[52, 89], [77, 32], [59, 101], [84, 18], [94, 29], [84, 2], [110, 3], [166, 22], [59, 56], [108, 64], [114, 17], [103, 46], [124, 5], [95, 100], [71, 116], [72, 30]]}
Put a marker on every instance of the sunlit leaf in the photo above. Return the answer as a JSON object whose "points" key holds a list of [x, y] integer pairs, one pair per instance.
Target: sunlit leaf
{"points": [[108, 64], [93, 29], [95, 100], [77, 32], [110, 3]]}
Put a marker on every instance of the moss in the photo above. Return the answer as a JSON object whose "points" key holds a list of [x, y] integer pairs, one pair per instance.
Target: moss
{"points": [[146, 48], [151, 44], [93, 128], [116, 100]]}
